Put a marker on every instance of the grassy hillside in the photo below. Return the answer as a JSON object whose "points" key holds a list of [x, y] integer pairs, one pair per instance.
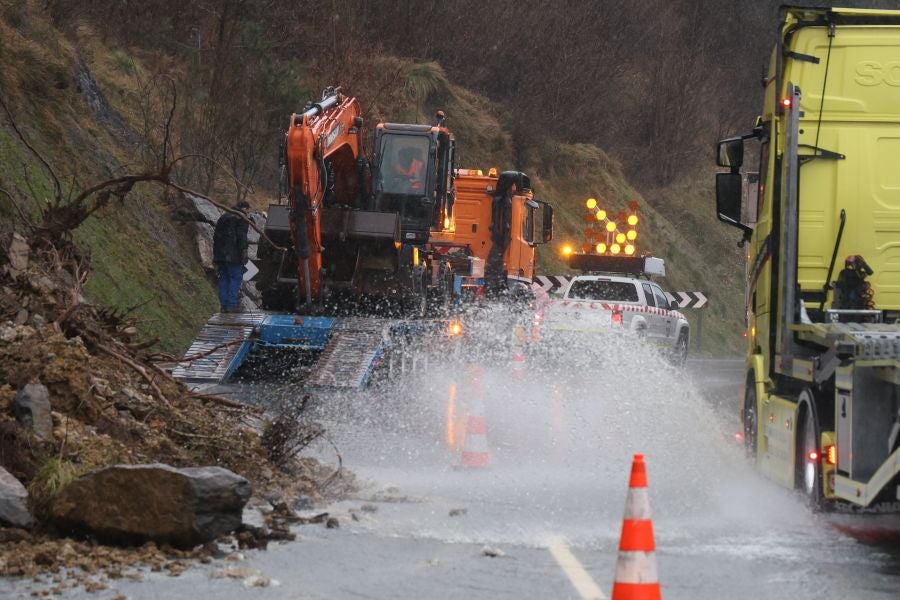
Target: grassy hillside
{"points": [[677, 224], [141, 257], [82, 104]]}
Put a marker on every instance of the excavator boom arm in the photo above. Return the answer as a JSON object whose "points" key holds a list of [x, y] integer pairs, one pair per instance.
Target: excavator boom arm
{"points": [[323, 141]]}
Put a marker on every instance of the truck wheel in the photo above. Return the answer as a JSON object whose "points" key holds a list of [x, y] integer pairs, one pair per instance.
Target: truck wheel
{"points": [[750, 417], [809, 470], [680, 351]]}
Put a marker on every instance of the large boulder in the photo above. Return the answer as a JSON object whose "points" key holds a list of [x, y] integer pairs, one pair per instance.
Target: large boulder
{"points": [[205, 233], [13, 502], [133, 504], [206, 210], [32, 409], [259, 220]]}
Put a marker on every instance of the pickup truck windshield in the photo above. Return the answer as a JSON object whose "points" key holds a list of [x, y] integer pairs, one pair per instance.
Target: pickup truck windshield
{"points": [[599, 289]]}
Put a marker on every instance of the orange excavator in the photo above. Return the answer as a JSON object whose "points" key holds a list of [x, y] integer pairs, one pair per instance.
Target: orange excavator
{"points": [[401, 229], [402, 233]]}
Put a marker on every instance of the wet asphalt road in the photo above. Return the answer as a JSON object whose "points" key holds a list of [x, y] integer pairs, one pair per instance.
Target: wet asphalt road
{"points": [[543, 520]]}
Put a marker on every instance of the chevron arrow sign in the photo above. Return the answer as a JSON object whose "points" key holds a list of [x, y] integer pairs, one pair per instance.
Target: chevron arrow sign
{"points": [[688, 299], [552, 283]]}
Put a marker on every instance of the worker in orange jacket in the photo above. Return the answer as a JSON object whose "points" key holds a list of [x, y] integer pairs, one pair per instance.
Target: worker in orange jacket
{"points": [[411, 168]]}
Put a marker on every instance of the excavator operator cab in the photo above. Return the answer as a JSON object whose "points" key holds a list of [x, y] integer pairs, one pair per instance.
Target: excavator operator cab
{"points": [[411, 176]]}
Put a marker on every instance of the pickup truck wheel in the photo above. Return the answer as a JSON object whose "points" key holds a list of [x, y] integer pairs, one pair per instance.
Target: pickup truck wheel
{"points": [[680, 351], [809, 461]]}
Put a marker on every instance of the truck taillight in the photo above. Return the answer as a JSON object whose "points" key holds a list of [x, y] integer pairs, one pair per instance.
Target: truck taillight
{"points": [[617, 317], [829, 454], [787, 102]]}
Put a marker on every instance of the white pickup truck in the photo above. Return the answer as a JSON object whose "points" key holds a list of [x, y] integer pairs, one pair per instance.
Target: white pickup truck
{"points": [[600, 303]]}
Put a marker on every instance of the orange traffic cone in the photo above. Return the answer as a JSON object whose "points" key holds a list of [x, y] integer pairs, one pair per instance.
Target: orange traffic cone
{"points": [[475, 451], [636, 575], [517, 360]]}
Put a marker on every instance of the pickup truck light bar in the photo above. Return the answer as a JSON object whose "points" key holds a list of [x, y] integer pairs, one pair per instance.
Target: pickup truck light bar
{"points": [[630, 265]]}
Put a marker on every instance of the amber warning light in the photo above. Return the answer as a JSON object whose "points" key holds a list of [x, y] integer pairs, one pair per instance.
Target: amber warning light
{"points": [[831, 454], [610, 234]]}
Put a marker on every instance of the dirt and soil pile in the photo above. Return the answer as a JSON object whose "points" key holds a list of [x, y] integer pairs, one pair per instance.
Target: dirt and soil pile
{"points": [[110, 401]]}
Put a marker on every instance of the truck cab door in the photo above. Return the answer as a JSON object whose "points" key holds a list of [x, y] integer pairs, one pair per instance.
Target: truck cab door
{"points": [[654, 330], [665, 318]]}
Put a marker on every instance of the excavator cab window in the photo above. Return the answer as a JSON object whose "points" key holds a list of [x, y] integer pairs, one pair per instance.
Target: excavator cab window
{"points": [[404, 164], [404, 169]]}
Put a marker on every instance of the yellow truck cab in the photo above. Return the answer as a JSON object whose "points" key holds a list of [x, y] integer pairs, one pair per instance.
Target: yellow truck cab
{"points": [[820, 221]]}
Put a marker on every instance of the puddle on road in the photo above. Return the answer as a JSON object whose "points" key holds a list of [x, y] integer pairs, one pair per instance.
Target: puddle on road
{"points": [[560, 440]]}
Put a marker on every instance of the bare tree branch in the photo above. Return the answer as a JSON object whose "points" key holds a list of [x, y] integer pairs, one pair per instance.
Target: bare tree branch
{"points": [[31, 149], [140, 369], [25, 218], [166, 138], [220, 206]]}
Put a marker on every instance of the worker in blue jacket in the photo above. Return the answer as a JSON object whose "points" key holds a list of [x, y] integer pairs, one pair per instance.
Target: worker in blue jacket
{"points": [[230, 255]]}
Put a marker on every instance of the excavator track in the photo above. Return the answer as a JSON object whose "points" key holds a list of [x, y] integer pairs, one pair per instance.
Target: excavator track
{"points": [[350, 347], [352, 353], [219, 348]]}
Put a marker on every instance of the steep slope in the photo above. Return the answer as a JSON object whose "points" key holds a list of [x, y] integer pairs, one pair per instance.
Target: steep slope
{"points": [[83, 105], [57, 94], [677, 224]]}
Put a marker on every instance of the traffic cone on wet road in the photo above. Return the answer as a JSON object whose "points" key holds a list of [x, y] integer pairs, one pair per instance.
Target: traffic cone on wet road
{"points": [[517, 360], [475, 452], [636, 575]]}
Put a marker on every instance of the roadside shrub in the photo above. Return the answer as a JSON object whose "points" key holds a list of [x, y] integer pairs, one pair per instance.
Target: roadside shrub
{"points": [[53, 475], [289, 432]]}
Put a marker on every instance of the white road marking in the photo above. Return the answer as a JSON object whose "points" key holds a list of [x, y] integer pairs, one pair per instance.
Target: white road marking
{"points": [[581, 579]]}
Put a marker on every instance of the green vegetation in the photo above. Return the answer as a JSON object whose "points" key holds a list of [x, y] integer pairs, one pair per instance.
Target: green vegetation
{"points": [[677, 225], [154, 269], [93, 102], [52, 476], [141, 258]]}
